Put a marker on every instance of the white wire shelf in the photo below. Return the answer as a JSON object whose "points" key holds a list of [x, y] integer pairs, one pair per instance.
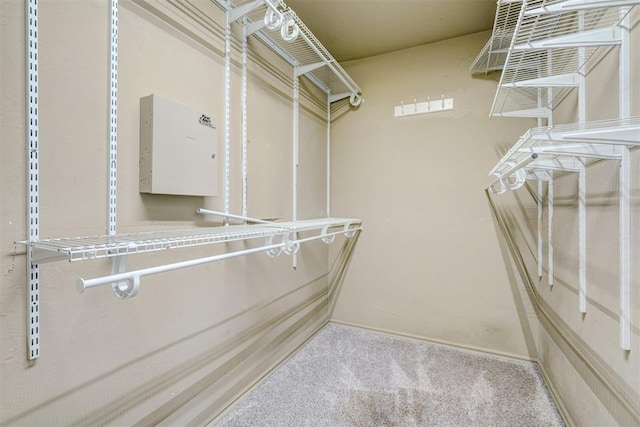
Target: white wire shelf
{"points": [[570, 148], [290, 38], [555, 6], [96, 247], [550, 54], [552, 43], [493, 55], [559, 147]]}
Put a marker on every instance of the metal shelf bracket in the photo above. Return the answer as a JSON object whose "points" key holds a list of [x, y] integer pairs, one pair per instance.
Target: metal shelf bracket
{"points": [[568, 148]]}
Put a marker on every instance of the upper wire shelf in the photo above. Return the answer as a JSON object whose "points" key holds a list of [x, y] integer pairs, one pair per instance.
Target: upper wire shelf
{"points": [[493, 55], [551, 45], [96, 247], [278, 27]]}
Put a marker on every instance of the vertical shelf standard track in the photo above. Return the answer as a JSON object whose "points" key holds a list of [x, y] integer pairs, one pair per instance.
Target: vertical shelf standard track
{"points": [[245, 134], [113, 116], [227, 113], [33, 214]]}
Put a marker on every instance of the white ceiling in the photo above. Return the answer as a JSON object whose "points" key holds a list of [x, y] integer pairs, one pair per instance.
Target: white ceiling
{"points": [[353, 29]]}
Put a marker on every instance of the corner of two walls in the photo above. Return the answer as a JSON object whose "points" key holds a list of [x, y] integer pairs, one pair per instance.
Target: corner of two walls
{"points": [[193, 339]]}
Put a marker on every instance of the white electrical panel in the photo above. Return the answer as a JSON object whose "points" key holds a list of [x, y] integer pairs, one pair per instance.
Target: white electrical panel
{"points": [[178, 149]]}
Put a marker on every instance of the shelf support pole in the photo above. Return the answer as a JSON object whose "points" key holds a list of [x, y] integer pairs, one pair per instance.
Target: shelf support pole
{"points": [[33, 192], [625, 249], [582, 236], [540, 198], [582, 78], [328, 157], [625, 190], [540, 243], [550, 89], [227, 111], [294, 203], [245, 136], [550, 228], [624, 66]]}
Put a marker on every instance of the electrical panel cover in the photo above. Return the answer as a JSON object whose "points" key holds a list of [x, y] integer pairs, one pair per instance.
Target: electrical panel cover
{"points": [[178, 149]]}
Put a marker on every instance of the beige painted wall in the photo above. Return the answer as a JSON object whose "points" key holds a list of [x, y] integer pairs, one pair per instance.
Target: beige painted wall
{"points": [[428, 263], [192, 339]]}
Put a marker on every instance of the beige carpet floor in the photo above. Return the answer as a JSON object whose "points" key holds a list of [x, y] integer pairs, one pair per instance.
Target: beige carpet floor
{"points": [[351, 377]]}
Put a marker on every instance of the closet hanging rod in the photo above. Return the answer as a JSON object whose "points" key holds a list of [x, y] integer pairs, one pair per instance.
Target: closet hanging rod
{"points": [[132, 278]]}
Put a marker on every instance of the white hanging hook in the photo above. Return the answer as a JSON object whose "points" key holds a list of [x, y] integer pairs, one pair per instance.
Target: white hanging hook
{"points": [[326, 237], [349, 232], [273, 19], [518, 178], [415, 104], [402, 106], [355, 99], [291, 246], [443, 100], [289, 30], [502, 187], [428, 103], [274, 252]]}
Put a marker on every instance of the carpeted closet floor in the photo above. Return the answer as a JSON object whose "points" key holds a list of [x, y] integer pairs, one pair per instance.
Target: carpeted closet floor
{"points": [[350, 377]]}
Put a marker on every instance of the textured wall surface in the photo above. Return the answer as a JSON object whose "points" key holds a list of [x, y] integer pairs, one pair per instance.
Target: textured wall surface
{"points": [[192, 339], [438, 260], [428, 264], [443, 262]]}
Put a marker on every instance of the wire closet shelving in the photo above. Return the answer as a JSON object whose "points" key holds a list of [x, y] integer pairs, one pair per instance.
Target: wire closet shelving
{"points": [[74, 249], [493, 55], [550, 53], [277, 26]]}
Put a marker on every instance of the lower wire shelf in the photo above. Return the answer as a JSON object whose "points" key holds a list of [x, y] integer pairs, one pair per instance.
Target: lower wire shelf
{"points": [[118, 247]]}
